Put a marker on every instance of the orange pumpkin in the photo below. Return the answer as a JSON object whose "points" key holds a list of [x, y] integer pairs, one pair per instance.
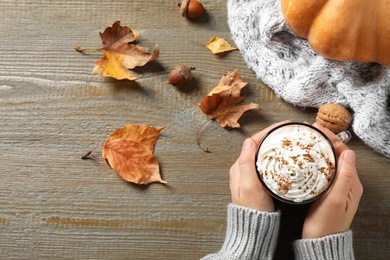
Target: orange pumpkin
{"points": [[343, 29]]}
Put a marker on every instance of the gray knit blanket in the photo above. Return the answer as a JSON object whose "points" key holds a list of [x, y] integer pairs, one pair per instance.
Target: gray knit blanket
{"points": [[287, 64]]}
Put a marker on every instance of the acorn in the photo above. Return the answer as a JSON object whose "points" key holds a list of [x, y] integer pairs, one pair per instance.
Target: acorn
{"points": [[180, 75], [192, 9]]}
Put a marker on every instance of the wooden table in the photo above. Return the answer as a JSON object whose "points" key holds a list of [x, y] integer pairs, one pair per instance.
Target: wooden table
{"points": [[53, 205]]}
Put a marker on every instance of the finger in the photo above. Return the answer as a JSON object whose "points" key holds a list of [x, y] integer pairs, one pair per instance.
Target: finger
{"points": [[242, 172], [246, 161], [340, 146], [251, 192], [247, 168], [234, 177], [257, 137], [346, 176]]}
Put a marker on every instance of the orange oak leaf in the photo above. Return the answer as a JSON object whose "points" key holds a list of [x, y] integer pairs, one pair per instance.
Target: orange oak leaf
{"points": [[129, 151], [221, 103], [132, 161], [120, 54]]}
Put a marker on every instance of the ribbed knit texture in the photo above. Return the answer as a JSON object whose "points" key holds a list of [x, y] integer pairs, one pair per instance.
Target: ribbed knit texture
{"points": [[250, 235], [288, 65], [332, 247]]}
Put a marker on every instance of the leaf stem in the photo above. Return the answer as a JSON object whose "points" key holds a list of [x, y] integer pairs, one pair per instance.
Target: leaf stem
{"points": [[81, 49], [88, 155], [206, 150]]}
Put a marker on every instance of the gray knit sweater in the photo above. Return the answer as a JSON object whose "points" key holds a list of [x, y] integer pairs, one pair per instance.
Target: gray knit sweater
{"points": [[287, 64], [252, 234]]}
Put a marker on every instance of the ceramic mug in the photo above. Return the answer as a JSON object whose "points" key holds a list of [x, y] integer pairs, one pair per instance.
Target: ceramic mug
{"points": [[296, 162]]}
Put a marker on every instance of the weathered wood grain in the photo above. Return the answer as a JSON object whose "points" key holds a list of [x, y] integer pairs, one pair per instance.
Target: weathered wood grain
{"points": [[53, 205]]}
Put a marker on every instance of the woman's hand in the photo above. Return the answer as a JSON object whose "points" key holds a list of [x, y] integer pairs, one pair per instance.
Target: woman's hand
{"points": [[334, 211], [245, 186]]}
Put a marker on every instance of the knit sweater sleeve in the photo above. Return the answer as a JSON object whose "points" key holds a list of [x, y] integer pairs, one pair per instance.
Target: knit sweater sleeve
{"points": [[250, 234], [335, 247]]}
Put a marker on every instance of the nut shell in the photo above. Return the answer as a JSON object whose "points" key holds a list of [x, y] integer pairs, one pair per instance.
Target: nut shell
{"points": [[334, 117], [184, 7], [195, 9], [192, 9], [180, 75]]}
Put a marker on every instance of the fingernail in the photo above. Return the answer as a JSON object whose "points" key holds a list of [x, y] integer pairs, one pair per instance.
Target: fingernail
{"points": [[349, 156], [248, 144]]}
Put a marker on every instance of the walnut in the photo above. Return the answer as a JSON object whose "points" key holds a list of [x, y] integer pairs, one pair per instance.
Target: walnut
{"points": [[334, 117]]}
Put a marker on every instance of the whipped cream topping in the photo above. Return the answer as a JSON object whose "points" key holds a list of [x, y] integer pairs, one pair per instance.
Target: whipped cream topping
{"points": [[296, 162]]}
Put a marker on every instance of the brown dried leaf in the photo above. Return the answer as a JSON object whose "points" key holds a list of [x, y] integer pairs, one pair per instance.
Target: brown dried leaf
{"points": [[129, 151], [147, 135], [221, 103], [118, 35], [133, 161], [232, 79], [120, 54], [219, 45]]}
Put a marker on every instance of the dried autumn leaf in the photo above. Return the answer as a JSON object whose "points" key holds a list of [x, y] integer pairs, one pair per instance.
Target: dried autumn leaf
{"points": [[221, 103], [118, 35], [219, 45], [133, 161], [219, 89], [147, 135], [120, 54], [129, 151], [227, 81], [231, 79]]}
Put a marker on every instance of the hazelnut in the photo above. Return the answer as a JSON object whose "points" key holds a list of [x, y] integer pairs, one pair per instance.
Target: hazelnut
{"points": [[191, 9], [334, 117], [180, 75]]}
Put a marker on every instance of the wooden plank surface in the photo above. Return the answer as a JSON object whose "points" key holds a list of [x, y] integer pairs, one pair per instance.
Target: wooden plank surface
{"points": [[53, 205]]}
